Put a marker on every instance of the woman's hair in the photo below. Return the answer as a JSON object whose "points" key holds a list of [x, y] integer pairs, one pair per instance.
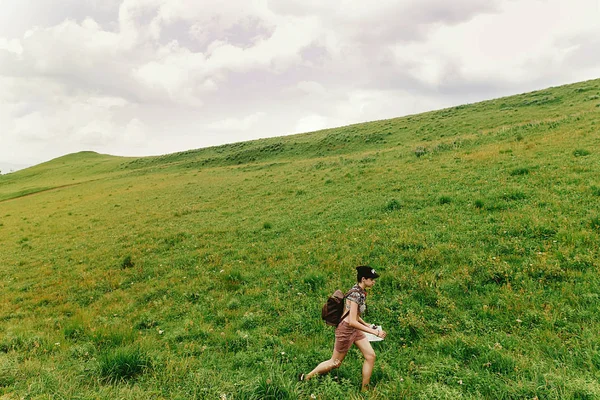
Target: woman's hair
{"points": [[359, 276], [364, 271]]}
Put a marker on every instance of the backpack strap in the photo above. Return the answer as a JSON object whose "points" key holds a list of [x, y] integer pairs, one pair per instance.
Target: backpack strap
{"points": [[343, 316], [344, 300]]}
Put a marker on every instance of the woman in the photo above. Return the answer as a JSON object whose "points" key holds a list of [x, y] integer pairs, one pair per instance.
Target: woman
{"points": [[351, 328]]}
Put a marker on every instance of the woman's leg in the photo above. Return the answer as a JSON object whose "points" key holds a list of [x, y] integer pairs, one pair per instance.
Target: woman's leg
{"points": [[365, 347], [326, 366]]}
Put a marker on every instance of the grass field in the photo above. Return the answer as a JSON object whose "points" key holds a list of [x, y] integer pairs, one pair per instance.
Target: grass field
{"points": [[201, 274]]}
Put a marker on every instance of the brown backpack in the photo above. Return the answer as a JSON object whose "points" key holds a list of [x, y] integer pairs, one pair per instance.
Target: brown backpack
{"points": [[332, 310]]}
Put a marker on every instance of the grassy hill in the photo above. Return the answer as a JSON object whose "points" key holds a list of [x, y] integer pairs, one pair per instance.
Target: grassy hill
{"points": [[201, 274]]}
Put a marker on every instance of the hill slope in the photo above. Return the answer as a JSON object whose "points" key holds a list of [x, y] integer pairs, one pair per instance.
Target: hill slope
{"points": [[201, 274], [69, 170]]}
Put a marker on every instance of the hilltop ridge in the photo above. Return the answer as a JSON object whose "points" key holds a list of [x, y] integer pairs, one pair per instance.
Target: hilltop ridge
{"points": [[402, 132]]}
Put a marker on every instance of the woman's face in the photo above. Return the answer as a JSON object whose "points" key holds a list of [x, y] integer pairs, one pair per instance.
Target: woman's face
{"points": [[369, 282]]}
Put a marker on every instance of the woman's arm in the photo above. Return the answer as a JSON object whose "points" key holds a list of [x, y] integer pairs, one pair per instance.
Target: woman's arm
{"points": [[355, 321]]}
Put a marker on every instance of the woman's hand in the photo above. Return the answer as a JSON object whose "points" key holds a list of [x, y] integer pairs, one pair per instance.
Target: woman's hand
{"points": [[379, 332]]}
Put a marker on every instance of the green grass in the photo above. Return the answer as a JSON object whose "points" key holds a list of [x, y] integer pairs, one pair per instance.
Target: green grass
{"points": [[201, 274], [122, 364]]}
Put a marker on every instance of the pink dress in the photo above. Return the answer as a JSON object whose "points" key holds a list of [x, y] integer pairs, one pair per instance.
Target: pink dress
{"points": [[345, 335]]}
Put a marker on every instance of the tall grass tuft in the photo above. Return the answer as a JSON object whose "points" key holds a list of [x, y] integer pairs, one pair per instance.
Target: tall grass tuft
{"points": [[74, 330], [519, 171], [595, 224], [127, 262], [412, 326], [393, 205], [445, 200], [8, 371], [514, 196], [581, 153], [420, 151], [314, 281], [271, 387], [146, 321], [123, 364], [234, 279]]}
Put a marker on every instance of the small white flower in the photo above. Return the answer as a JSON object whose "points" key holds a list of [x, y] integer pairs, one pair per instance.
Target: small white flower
{"points": [[460, 382], [223, 396], [313, 396], [283, 353], [518, 320], [57, 344], [160, 331]]}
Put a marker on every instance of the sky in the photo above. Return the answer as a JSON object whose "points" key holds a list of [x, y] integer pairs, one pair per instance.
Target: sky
{"points": [[149, 77]]}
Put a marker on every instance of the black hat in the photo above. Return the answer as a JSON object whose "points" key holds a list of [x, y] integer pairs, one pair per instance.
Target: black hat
{"points": [[364, 271]]}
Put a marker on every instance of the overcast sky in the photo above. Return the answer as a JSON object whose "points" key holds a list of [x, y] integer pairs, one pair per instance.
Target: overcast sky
{"points": [[147, 77]]}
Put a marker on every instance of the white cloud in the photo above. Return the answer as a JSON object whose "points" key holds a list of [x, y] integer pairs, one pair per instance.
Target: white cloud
{"points": [[277, 53], [66, 123], [237, 124], [311, 123], [11, 45], [89, 119], [135, 76], [69, 47], [311, 87], [135, 132], [178, 72], [523, 42]]}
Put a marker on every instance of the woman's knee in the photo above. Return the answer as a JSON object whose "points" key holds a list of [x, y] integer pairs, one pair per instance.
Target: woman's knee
{"points": [[370, 357], [335, 363]]}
